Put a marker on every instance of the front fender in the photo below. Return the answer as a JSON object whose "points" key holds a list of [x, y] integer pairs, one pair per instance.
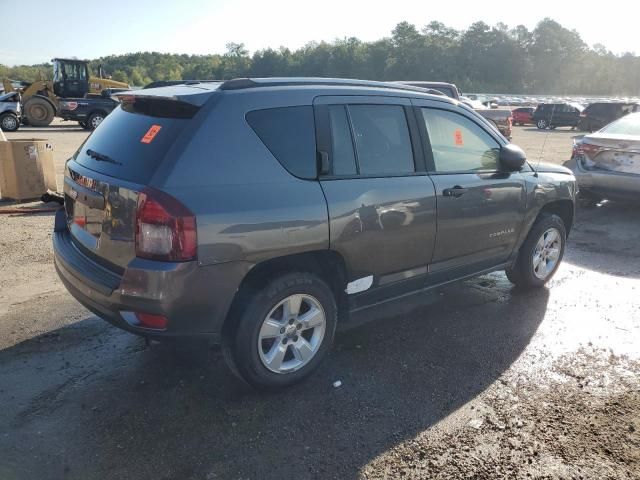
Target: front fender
{"points": [[546, 189]]}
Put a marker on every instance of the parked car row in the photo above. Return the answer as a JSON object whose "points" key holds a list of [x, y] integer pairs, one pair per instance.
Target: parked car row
{"points": [[590, 118]]}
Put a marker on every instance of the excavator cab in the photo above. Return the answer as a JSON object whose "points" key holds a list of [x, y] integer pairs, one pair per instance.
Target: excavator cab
{"points": [[70, 77]]}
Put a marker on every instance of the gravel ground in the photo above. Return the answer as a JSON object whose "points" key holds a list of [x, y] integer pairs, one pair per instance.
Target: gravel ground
{"points": [[475, 380]]}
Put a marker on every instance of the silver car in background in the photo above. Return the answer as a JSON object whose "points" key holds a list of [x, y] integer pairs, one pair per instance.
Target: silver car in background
{"points": [[10, 111], [607, 163]]}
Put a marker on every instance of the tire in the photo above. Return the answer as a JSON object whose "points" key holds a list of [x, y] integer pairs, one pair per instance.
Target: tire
{"points": [[524, 273], [94, 120], [266, 350], [542, 124], [9, 122], [39, 112]]}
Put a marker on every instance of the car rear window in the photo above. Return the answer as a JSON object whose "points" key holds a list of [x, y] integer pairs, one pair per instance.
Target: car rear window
{"points": [[133, 142], [289, 134]]}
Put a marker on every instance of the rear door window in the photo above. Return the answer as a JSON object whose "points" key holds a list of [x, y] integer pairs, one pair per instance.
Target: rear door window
{"points": [[381, 137], [343, 154], [289, 134]]}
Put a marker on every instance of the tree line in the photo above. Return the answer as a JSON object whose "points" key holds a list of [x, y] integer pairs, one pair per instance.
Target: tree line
{"points": [[549, 59]]}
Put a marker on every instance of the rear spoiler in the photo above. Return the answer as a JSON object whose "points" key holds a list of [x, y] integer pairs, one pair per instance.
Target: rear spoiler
{"points": [[195, 94]]}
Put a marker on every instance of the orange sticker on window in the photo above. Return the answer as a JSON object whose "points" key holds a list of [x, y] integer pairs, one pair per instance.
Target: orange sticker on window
{"points": [[151, 134], [458, 137]]}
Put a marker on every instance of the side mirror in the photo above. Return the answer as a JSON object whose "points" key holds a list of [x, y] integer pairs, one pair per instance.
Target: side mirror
{"points": [[512, 158], [106, 93]]}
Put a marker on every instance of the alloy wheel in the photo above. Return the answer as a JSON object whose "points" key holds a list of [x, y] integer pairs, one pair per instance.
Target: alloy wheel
{"points": [[546, 253], [9, 123], [96, 120], [292, 333]]}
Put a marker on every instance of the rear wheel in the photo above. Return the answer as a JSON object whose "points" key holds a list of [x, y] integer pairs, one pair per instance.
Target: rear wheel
{"points": [[9, 122], [94, 120], [284, 331], [39, 112], [542, 124], [540, 254]]}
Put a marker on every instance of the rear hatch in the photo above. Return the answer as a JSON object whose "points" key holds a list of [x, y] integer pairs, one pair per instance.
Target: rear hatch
{"points": [[105, 177]]}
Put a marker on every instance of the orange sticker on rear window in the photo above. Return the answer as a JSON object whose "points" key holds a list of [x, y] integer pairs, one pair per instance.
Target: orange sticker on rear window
{"points": [[458, 137], [151, 134]]}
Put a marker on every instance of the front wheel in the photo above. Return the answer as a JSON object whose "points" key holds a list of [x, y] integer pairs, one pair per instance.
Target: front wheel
{"points": [[9, 122], [540, 254], [39, 111], [542, 124], [285, 330]]}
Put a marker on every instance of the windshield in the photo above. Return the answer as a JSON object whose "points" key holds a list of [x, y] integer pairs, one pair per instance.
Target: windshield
{"points": [[629, 125]]}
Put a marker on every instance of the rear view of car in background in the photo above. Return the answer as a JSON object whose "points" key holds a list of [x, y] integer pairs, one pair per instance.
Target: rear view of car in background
{"points": [[607, 163], [599, 114], [523, 115], [552, 115]]}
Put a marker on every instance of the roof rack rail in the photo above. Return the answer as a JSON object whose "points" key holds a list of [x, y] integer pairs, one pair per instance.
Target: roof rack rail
{"points": [[244, 83]]}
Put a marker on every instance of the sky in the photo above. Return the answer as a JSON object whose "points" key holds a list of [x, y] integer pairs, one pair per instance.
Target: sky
{"points": [[85, 29]]}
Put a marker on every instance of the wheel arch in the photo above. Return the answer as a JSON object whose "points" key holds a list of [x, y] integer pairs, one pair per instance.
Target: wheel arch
{"points": [[101, 111], [563, 208], [329, 265]]}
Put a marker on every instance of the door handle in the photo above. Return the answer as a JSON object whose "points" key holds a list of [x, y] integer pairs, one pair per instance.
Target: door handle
{"points": [[454, 192]]}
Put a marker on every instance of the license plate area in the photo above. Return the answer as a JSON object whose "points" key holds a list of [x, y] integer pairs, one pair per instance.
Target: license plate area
{"points": [[85, 207]]}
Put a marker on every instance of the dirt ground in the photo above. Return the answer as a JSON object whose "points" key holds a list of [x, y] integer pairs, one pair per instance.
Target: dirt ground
{"points": [[475, 380]]}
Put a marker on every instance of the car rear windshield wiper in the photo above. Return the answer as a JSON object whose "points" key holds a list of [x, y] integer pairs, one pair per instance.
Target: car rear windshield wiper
{"points": [[101, 158]]}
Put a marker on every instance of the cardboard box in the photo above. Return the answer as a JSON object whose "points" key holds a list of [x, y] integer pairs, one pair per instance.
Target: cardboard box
{"points": [[26, 168]]}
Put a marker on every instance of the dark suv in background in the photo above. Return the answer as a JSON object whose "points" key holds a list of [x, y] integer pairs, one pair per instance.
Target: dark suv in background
{"points": [[552, 115], [261, 213], [599, 114]]}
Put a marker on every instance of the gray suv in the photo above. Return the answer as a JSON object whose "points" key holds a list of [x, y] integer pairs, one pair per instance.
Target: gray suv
{"points": [[260, 213]]}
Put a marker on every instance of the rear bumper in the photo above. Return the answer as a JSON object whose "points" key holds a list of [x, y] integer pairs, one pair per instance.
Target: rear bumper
{"points": [[615, 185], [195, 299]]}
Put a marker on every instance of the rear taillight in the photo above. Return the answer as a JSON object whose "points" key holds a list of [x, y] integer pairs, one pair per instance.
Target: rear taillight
{"points": [[149, 320], [588, 149], [165, 229]]}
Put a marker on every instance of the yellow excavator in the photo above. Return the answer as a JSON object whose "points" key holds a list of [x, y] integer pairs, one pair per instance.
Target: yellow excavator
{"points": [[70, 80]]}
